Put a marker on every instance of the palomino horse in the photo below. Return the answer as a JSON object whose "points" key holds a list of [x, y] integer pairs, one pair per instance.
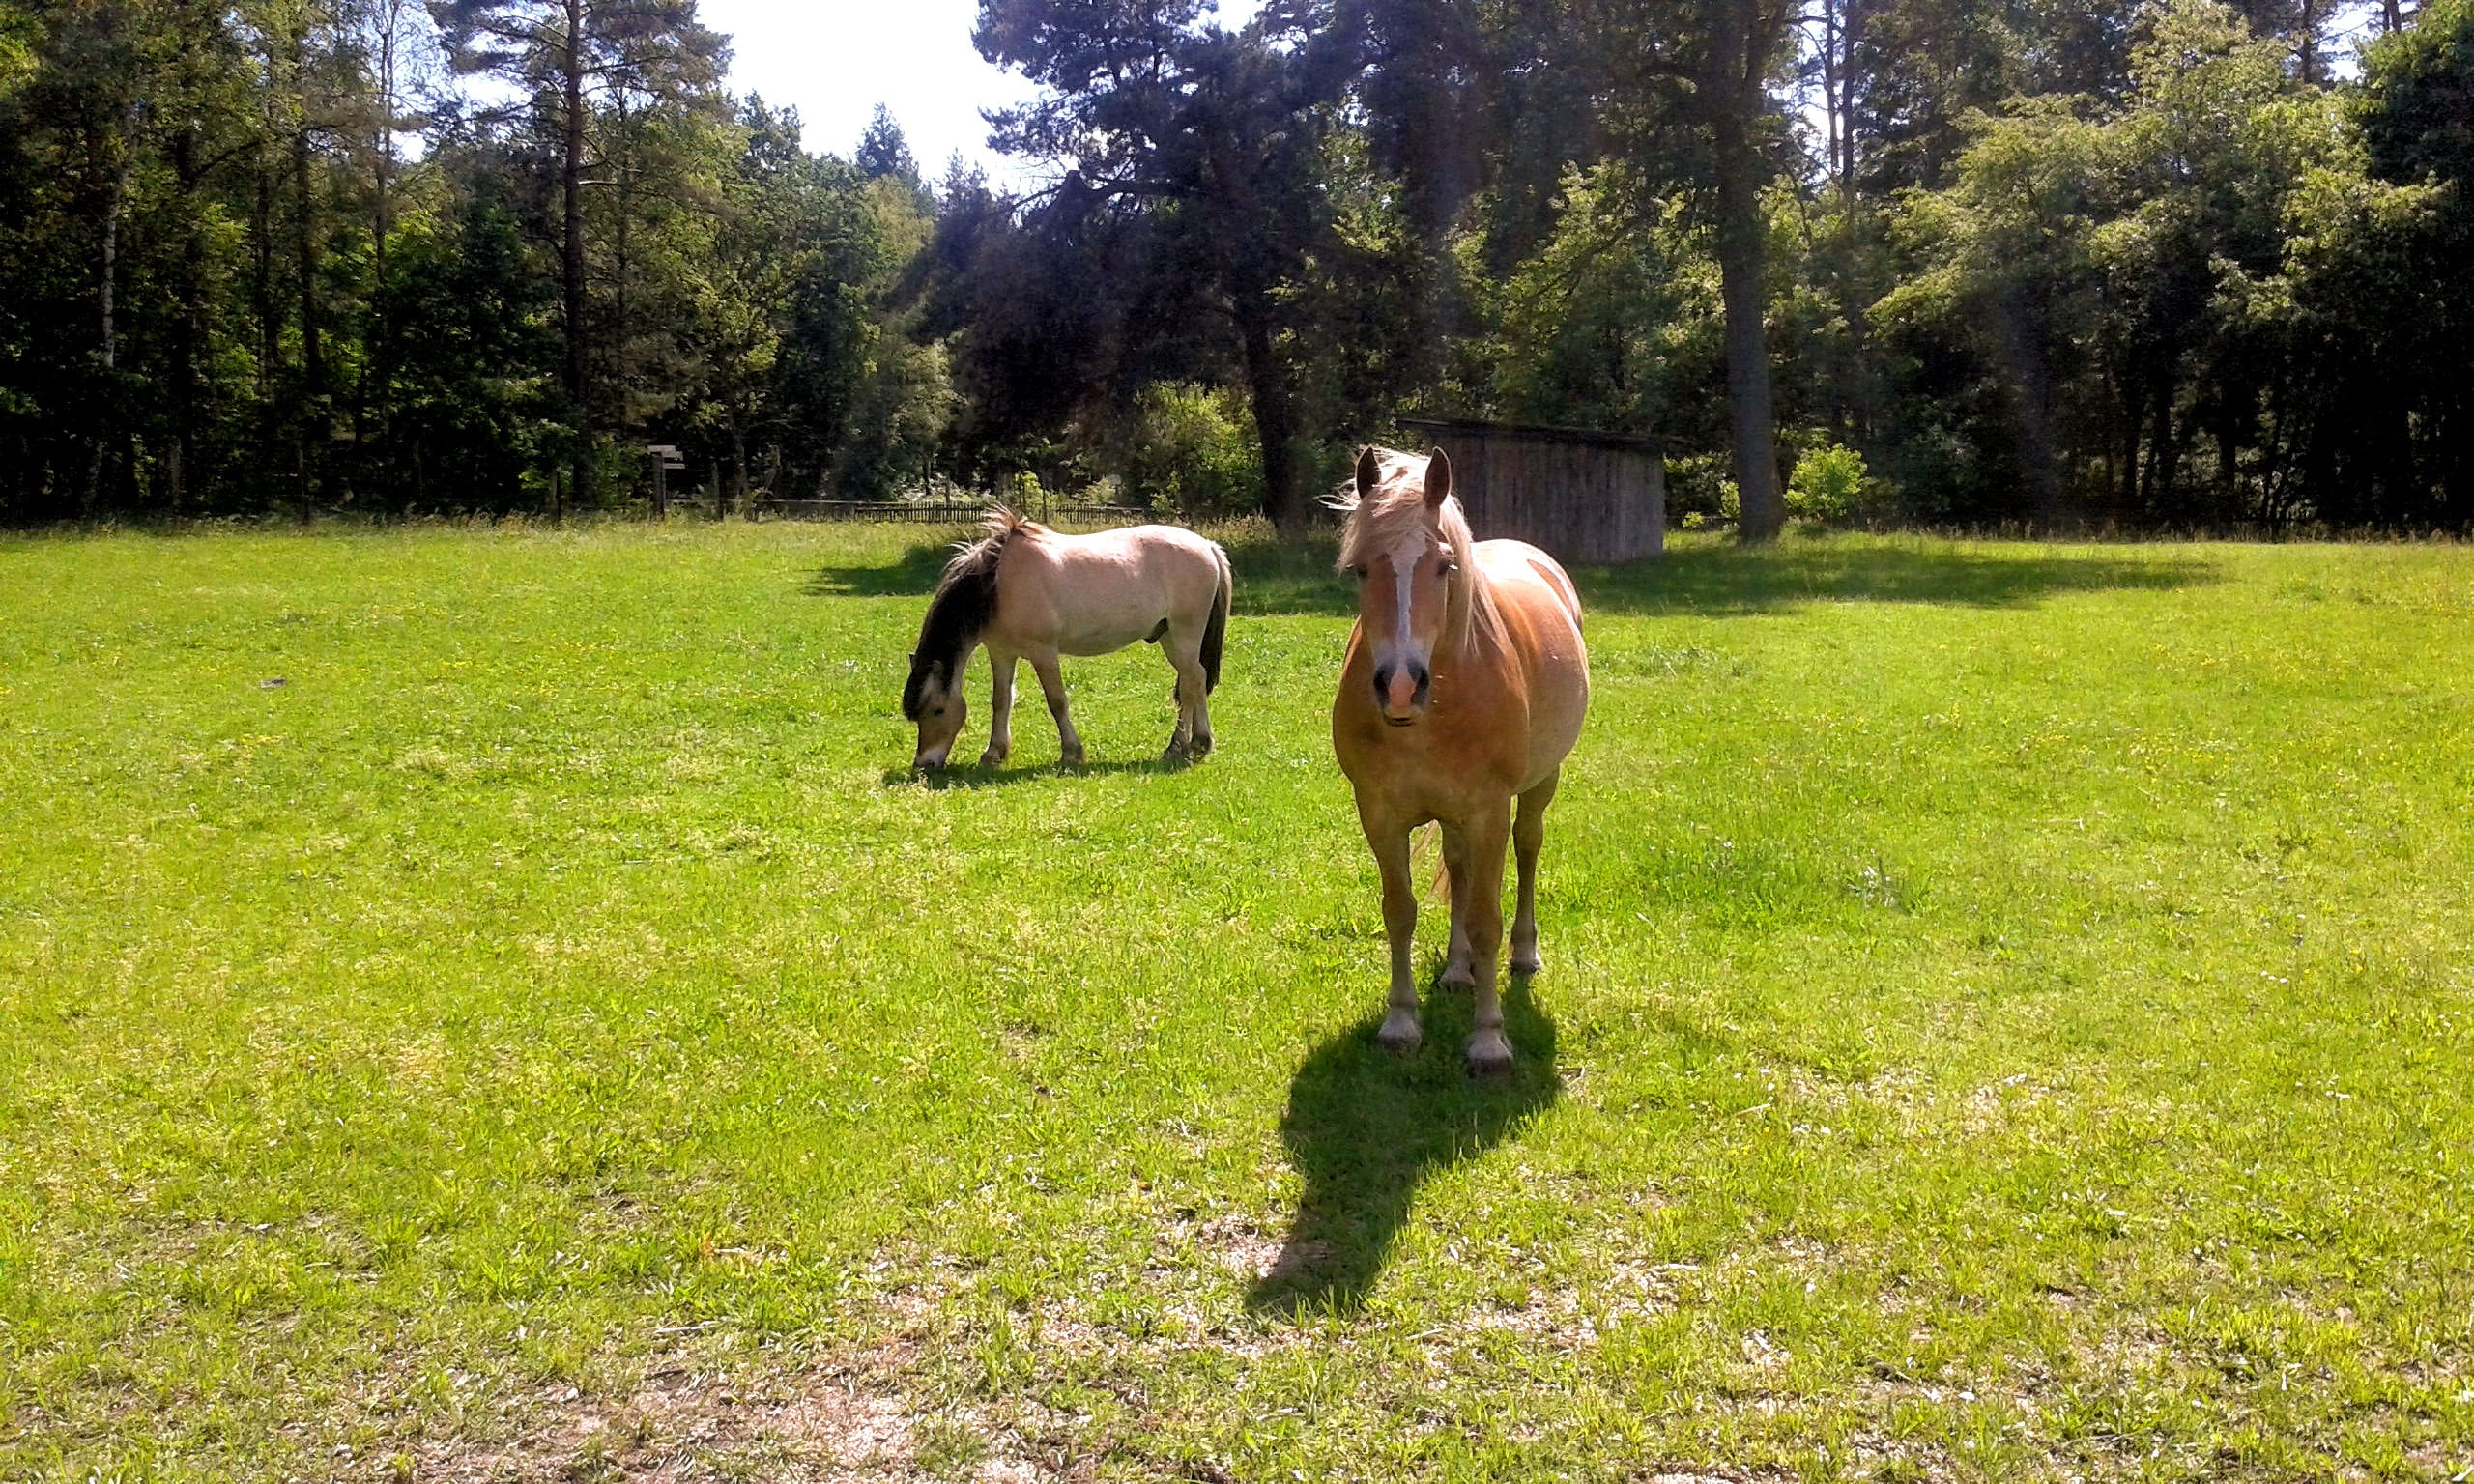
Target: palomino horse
{"points": [[1464, 687], [1031, 593]]}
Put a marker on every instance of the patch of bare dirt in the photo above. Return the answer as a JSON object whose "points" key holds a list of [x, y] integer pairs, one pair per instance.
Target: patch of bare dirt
{"points": [[817, 1424], [1240, 1245]]}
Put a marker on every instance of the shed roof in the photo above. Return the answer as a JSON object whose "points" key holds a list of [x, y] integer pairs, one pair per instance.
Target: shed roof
{"points": [[1532, 432]]}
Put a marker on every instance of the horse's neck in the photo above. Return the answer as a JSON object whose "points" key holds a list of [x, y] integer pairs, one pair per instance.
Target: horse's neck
{"points": [[1464, 631]]}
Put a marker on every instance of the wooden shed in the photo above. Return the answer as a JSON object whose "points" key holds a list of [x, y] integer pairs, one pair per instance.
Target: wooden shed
{"points": [[1581, 497]]}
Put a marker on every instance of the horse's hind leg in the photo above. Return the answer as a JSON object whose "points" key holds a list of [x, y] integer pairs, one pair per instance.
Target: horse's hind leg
{"points": [[1193, 736], [1191, 682], [1528, 833], [1052, 685]]}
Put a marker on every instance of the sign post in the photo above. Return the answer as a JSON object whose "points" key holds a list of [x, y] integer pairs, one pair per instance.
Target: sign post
{"points": [[665, 457]]}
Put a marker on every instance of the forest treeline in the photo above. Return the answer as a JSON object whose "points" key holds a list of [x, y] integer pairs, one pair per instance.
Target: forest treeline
{"points": [[2065, 264]]}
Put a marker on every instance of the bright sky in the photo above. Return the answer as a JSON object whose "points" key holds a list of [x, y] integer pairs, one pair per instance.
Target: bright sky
{"points": [[835, 60]]}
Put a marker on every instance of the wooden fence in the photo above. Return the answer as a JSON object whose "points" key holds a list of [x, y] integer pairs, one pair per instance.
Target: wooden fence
{"points": [[1581, 497], [936, 512]]}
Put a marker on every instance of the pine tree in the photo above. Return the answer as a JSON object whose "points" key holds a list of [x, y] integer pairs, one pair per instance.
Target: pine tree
{"points": [[562, 53]]}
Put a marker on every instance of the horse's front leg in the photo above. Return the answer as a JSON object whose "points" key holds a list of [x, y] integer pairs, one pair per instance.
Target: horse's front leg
{"points": [[1456, 973], [1489, 1050], [1052, 685], [1389, 843], [1000, 705]]}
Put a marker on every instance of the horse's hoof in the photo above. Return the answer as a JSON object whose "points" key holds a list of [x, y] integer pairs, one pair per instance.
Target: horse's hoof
{"points": [[1399, 1033], [1176, 751], [1202, 745], [1456, 975], [1490, 1054], [1073, 759], [992, 759], [1527, 965]]}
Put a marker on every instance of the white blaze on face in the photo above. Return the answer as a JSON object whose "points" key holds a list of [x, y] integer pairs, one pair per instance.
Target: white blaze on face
{"points": [[1404, 648], [1402, 657]]}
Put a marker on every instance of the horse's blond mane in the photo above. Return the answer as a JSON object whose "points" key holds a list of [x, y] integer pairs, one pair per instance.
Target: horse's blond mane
{"points": [[1397, 510]]}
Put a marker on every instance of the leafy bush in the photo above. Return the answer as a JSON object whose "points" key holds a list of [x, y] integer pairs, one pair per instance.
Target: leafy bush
{"points": [[1191, 448], [1828, 486], [1700, 493]]}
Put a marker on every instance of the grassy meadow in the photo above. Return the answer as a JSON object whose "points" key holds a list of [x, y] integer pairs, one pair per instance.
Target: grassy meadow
{"points": [[487, 1004]]}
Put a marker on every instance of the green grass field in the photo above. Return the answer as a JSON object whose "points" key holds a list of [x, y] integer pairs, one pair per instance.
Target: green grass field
{"points": [[2010, 1012]]}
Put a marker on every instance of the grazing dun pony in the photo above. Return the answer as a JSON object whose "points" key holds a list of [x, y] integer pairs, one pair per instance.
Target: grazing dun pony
{"points": [[1464, 686], [1031, 593]]}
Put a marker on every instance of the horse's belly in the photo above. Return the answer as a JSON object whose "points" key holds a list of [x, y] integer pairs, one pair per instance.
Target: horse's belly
{"points": [[1105, 638]]}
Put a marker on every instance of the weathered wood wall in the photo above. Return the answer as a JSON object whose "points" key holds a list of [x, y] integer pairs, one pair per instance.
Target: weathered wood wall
{"points": [[1580, 496]]}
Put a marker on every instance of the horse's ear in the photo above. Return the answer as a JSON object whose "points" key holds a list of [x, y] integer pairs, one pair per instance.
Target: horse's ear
{"points": [[1438, 479], [1369, 471]]}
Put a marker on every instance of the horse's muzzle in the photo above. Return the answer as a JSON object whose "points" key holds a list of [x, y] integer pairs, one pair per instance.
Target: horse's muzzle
{"points": [[1400, 691]]}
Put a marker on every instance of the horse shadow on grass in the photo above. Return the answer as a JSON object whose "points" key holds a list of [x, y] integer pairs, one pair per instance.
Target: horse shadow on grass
{"points": [[973, 777], [1366, 1129]]}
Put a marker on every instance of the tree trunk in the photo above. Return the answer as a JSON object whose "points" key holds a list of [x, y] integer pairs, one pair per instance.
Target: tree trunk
{"points": [[1832, 104], [262, 295], [2023, 357], [188, 332], [1741, 248], [107, 352], [1268, 390], [571, 268], [309, 426], [2163, 459], [314, 360], [378, 384], [2127, 493], [1854, 24]]}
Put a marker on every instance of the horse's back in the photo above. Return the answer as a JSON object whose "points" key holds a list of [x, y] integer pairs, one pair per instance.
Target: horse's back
{"points": [[1091, 595], [1542, 613], [1518, 561]]}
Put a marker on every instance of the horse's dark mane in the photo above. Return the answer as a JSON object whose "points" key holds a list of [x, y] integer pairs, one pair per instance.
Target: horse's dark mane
{"points": [[965, 604]]}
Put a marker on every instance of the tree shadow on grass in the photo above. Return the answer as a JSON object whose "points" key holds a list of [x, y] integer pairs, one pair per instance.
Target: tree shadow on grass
{"points": [[1720, 578], [1273, 576], [1710, 578], [914, 574], [1715, 580], [1366, 1129]]}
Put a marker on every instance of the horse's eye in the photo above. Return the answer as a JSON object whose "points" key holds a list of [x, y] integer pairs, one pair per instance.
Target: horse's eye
{"points": [[1357, 571]]}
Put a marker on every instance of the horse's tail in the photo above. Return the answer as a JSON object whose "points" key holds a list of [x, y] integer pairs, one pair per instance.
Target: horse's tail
{"points": [[1214, 629]]}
